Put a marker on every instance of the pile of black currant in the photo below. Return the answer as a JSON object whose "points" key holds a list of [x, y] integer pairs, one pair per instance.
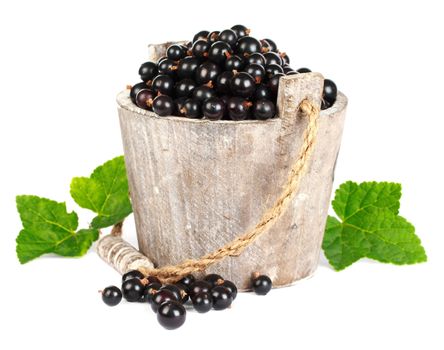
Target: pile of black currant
{"points": [[219, 75], [169, 301]]}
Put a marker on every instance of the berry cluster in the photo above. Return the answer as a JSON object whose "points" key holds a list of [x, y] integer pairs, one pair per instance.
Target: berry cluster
{"points": [[219, 75], [211, 292]]}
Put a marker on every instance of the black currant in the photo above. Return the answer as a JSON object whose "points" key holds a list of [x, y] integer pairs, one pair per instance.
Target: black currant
{"points": [[187, 280], [262, 91], [202, 302], [206, 72], [234, 63], [238, 108], [149, 291], [222, 297], [185, 87], [176, 52], [132, 289], [160, 297], [163, 105], [269, 44], [191, 108], [161, 59], [183, 292], [148, 71], [187, 67], [213, 108], [247, 45], [325, 105], [229, 36], [179, 104], [273, 69], [240, 30], [171, 314], [256, 58], [200, 48], [231, 287], [199, 286], [163, 84], [168, 67], [223, 82], [272, 58], [201, 93], [263, 109], [242, 84], [135, 89], [173, 289], [330, 91], [303, 70], [144, 99], [284, 57], [219, 52], [273, 83], [201, 35], [213, 279], [111, 296], [287, 69], [261, 284], [213, 37], [256, 71]]}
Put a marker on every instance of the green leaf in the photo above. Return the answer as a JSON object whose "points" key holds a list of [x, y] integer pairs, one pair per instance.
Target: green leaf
{"points": [[105, 192], [370, 227], [49, 228]]}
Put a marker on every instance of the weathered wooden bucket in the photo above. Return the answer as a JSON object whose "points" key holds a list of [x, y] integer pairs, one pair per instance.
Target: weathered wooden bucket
{"points": [[196, 184]]}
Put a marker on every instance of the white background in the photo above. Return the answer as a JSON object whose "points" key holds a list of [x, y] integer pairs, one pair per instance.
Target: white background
{"points": [[62, 64]]}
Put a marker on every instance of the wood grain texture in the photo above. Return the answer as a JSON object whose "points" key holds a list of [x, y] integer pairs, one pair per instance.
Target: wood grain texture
{"points": [[197, 184]]}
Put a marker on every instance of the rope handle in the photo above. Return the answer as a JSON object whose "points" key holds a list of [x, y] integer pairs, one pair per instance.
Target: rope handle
{"points": [[173, 273]]}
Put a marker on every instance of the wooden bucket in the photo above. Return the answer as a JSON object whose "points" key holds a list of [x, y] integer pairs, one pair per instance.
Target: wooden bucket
{"points": [[196, 184]]}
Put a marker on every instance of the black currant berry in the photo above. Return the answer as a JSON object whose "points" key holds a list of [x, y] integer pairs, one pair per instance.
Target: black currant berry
{"points": [[179, 104], [256, 71], [284, 57], [191, 109], [238, 108], [187, 67], [272, 58], [185, 87], [214, 279], [144, 99], [187, 280], [149, 291], [262, 91], [201, 93], [234, 63], [176, 52], [261, 284], [184, 296], [202, 302], [168, 67], [163, 84], [325, 105], [303, 70], [206, 72], [256, 58], [229, 36], [173, 289], [171, 314], [132, 289], [247, 45], [330, 91], [223, 82], [243, 84], [273, 83], [219, 52], [201, 35], [240, 30], [269, 44], [213, 37], [213, 108], [231, 287], [135, 89], [200, 48], [199, 287], [273, 69], [161, 59], [222, 297], [160, 297], [163, 105], [111, 296], [287, 69], [263, 109], [148, 71]]}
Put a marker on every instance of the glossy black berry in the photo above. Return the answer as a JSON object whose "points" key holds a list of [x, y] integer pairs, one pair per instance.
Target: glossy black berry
{"points": [[111, 296], [185, 87], [229, 36], [214, 279], [173, 289], [243, 84], [330, 91], [247, 45], [201, 35], [161, 59], [285, 58], [187, 280], [240, 30], [255, 58], [262, 91], [160, 297], [272, 58], [163, 84], [325, 105], [132, 289], [135, 89], [178, 105], [287, 68], [234, 63], [273, 83], [148, 71], [168, 67], [257, 71], [199, 286], [191, 109], [207, 71], [144, 99], [213, 108], [303, 70], [149, 291], [187, 67], [171, 315], [200, 48], [222, 297], [163, 105], [238, 108], [273, 69], [261, 284], [176, 52], [231, 287], [263, 109], [223, 82], [184, 296], [202, 302], [201, 93], [213, 37], [219, 52], [269, 44]]}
